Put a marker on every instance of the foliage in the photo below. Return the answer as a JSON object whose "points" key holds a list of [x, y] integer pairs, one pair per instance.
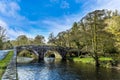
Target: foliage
{"points": [[51, 39], [23, 40], [7, 45], [113, 27], [39, 39]]}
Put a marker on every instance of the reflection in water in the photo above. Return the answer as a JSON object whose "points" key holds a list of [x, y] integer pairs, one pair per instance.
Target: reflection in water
{"points": [[61, 70], [49, 60]]}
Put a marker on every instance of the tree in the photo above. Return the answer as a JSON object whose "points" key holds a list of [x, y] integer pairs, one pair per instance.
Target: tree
{"points": [[61, 40], [22, 40], [39, 39], [51, 38], [113, 27], [7, 45], [2, 36], [95, 23], [75, 32]]}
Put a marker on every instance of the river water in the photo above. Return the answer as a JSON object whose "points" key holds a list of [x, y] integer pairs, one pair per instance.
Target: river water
{"points": [[3, 53], [64, 70]]}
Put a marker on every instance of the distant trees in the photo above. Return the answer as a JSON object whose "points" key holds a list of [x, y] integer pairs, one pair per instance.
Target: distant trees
{"points": [[51, 39], [4, 42], [24, 40], [39, 39], [7, 45]]}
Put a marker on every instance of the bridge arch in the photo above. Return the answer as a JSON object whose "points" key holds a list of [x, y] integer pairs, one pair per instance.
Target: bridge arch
{"points": [[53, 53], [28, 53]]}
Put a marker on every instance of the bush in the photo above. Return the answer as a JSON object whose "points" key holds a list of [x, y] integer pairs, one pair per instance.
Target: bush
{"points": [[116, 59]]}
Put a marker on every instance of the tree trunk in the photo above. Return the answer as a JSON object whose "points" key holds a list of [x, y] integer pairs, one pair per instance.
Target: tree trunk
{"points": [[78, 53], [97, 62]]}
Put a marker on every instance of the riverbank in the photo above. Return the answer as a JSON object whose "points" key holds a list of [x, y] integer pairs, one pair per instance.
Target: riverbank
{"points": [[4, 63], [104, 61], [90, 59]]}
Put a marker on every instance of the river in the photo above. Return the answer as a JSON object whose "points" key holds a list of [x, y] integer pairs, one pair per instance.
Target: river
{"points": [[64, 70], [3, 53]]}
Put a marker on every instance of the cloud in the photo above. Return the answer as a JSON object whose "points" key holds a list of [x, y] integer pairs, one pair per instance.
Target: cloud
{"points": [[108, 4], [9, 12], [13, 33], [3, 24], [10, 18], [9, 8], [65, 4], [57, 25]]}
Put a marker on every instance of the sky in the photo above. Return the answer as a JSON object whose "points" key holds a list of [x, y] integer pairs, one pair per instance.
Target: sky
{"points": [[41, 17]]}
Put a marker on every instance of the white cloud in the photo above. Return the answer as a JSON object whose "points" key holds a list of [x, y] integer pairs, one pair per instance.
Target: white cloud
{"points": [[108, 4], [65, 4], [3, 24], [9, 8], [12, 20], [61, 24], [12, 33]]}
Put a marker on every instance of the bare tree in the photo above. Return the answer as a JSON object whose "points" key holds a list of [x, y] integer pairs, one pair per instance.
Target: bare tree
{"points": [[2, 36]]}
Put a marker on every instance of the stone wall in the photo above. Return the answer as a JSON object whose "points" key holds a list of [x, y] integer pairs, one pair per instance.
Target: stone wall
{"points": [[11, 71]]}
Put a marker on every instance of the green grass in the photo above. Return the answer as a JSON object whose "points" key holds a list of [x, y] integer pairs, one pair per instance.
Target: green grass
{"points": [[90, 60], [105, 59], [84, 60], [4, 63]]}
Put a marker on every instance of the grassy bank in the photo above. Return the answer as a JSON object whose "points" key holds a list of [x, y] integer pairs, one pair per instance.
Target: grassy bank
{"points": [[90, 60], [104, 61], [4, 63]]}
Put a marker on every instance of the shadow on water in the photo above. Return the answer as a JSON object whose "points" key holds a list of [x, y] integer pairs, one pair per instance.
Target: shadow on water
{"points": [[65, 70]]}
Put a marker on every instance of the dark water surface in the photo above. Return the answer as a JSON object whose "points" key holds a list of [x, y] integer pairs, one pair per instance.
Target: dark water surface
{"points": [[64, 70]]}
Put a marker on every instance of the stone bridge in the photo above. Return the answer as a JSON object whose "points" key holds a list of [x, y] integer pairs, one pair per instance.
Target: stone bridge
{"points": [[41, 50]]}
